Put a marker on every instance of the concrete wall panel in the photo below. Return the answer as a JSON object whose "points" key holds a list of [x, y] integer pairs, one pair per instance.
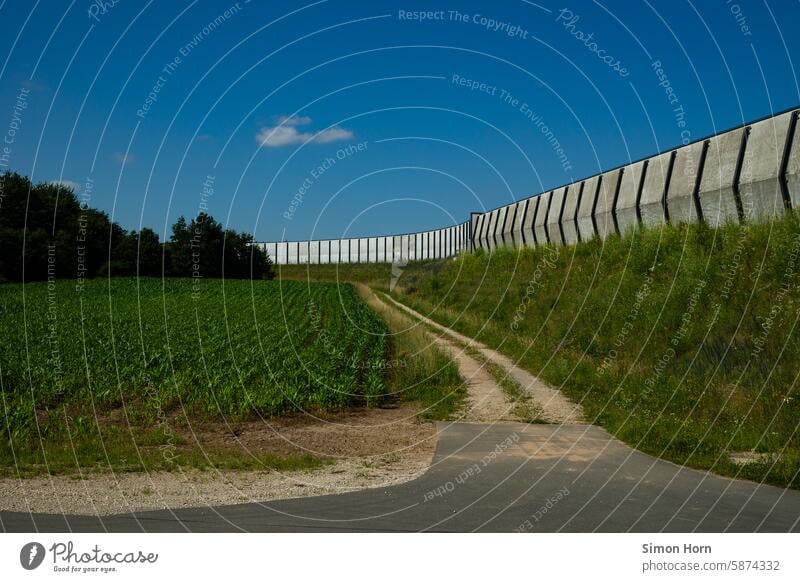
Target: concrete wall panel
{"points": [[793, 167], [627, 213], [651, 202], [474, 219], [529, 213], [335, 251], [554, 215], [569, 225], [759, 184], [303, 252], [272, 251], [281, 254], [585, 209], [313, 252], [508, 218], [518, 217], [680, 198], [482, 241], [717, 198], [501, 219], [492, 224], [540, 222], [491, 239], [604, 215]]}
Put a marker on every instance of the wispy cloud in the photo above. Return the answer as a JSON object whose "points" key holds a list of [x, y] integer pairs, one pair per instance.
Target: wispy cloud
{"points": [[286, 133], [124, 159], [294, 120]]}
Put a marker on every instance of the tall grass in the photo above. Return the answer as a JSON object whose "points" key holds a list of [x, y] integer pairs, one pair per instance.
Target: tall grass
{"points": [[419, 371]]}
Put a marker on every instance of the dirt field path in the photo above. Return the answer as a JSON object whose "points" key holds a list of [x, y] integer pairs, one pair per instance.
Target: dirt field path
{"points": [[556, 408], [486, 399]]}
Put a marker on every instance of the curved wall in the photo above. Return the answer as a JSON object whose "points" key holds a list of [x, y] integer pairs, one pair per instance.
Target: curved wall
{"points": [[748, 173]]}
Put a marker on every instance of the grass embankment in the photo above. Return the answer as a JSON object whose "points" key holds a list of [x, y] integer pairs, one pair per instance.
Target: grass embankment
{"points": [[681, 341], [112, 375]]}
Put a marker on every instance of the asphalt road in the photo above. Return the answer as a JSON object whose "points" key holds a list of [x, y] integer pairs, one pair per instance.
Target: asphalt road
{"points": [[501, 477]]}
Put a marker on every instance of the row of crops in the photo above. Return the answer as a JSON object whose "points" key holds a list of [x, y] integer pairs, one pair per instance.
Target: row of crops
{"points": [[230, 347]]}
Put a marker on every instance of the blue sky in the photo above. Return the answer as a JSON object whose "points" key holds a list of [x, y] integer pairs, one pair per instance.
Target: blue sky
{"points": [[334, 118]]}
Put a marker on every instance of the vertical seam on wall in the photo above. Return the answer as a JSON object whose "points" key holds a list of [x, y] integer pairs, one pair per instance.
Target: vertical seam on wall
{"points": [[533, 221], [616, 200], [513, 219], [639, 192], [594, 205], [787, 150], [667, 182], [546, 212], [698, 180], [538, 203], [522, 220], [561, 215], [577, 209], [737, 174]]}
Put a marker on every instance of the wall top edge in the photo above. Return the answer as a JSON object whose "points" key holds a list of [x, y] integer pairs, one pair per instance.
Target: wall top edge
{"points": [[315, 240], [795, 108]]}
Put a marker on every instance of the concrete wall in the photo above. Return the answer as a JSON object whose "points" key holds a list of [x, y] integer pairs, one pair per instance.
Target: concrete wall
{"points": [[793, 168], [540, 220], [557, 199], [569, 216], [604, 218], [653, 198], [719, 202], [681, 204], [627, 206], [586, 227], [759, 183], [751, 173], [440, 243]]}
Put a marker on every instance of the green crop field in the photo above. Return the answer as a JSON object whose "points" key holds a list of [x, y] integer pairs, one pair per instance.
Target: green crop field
{"points": [[232, 348]]}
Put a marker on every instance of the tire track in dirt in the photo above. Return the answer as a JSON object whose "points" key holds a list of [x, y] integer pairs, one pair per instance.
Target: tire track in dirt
{"points": [[556, 408], [486, 399]]}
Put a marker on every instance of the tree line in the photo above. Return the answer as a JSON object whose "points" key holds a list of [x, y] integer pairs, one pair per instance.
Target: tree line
{"points": [[45, 230]]}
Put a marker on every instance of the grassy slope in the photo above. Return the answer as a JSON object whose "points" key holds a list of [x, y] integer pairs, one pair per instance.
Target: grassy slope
{"points": [[681, 340]]}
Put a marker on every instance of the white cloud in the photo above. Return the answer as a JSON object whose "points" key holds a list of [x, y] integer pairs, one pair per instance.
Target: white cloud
{"points": [[124, 159], [294, 120], [333, 134], [286, 133]]}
